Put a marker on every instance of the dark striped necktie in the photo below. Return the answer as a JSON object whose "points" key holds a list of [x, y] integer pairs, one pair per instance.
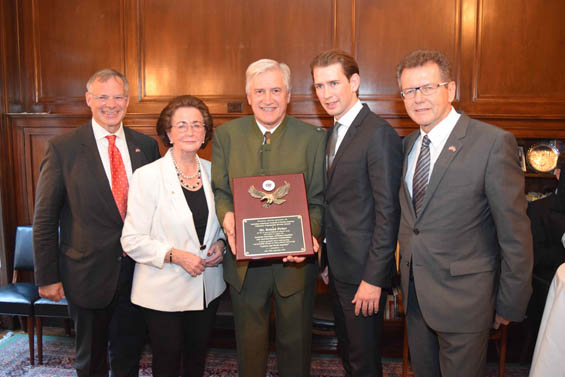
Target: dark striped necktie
{"points": [[333, 144], [421, 173]]}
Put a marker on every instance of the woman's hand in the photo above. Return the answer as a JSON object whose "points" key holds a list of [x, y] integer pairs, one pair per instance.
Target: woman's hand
{"points": [[215, 254], [191, 263]]}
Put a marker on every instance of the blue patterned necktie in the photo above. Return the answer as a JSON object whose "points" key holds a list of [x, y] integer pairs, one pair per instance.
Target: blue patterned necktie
{"points": [[421, 173]]}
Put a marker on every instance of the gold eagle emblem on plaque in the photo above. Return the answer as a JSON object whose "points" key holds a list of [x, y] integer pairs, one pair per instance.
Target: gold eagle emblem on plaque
{"points": [[272, 198]]}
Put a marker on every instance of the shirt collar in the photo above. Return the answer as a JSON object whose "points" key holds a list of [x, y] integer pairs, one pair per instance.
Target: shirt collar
{"points": [[443, 129], [265, 129], [100, 132], [350, 115]]}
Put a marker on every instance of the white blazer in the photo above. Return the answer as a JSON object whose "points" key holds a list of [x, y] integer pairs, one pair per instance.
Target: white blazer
{"points": [[159, 218]]}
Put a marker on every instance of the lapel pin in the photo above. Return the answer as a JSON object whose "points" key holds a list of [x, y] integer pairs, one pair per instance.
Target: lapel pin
{"points": [[137, 150], [452, 148]]}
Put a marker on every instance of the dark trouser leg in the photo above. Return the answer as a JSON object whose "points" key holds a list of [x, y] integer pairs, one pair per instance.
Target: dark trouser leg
{"points": [[127, 327], [197, 330], [363, 333], [251, 309], [293, 320], [341, 332], [166, 335], [424, 347], [463, 354], [91, 340], [435, 354]]}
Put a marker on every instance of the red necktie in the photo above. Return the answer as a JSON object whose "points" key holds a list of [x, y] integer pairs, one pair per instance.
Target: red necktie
{"points": [[119, 178]]}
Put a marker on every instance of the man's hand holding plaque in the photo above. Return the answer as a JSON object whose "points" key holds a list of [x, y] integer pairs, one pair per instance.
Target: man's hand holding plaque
{"points": [[294, 259], [270, 219], [229, 230]]}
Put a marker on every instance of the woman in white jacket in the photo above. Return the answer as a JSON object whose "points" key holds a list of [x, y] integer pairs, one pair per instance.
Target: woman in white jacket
{"points": [[172, 232]]}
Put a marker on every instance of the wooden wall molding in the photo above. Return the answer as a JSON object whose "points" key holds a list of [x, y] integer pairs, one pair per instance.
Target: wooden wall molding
{"points": [[65, 43], [507, 58], [517, 59], [208, 59]]}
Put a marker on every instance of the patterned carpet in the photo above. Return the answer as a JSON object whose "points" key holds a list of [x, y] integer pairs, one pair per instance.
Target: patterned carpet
{"points": [[58, 356]]}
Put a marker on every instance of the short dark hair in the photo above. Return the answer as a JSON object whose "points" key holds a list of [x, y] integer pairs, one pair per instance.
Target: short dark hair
{"points": [[329, 57], [164, 122], [419, 58], [333, 56]]}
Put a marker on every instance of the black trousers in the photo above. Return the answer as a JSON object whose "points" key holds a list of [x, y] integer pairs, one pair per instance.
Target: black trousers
{"points": [[180, 340], [359, 337], [120, 324]]}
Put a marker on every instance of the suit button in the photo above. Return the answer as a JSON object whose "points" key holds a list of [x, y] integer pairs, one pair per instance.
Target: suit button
{"points": [[416, 231]]}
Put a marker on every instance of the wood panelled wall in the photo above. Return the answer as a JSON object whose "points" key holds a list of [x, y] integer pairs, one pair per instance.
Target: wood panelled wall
{"points": [[508, 57]]}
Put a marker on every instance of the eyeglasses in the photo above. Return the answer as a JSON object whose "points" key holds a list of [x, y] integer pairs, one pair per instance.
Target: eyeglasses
{"points": [[182, 127], [426, 90], [104, 98]]}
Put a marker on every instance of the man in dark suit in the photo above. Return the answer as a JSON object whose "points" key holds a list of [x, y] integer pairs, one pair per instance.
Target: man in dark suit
{"points": [[82, 189], [465, 242], [363, 168]]}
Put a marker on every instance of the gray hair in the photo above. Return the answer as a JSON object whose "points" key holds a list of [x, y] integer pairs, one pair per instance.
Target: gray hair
{"points": [[264, 65], [106, 74]]}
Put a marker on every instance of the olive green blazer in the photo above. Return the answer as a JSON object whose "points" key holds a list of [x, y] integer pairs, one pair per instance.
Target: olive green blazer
{"points": [[296, 147]]}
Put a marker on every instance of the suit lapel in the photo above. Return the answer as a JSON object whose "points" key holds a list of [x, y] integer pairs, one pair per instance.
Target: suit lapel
{"points": [[211, 206], [92, 156], [408, 145], [136, 153], [347, 139], [451, 149]]}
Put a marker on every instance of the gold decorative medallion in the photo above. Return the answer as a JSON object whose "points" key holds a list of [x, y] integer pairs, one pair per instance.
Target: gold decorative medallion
{"points": [[272, 198], [542, 157]]}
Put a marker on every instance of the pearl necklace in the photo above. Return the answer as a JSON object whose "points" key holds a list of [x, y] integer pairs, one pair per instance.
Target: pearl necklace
{"points": [[183, 179]]}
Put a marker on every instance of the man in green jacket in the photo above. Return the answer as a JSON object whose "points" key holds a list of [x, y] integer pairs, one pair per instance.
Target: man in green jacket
{"points": [[241, 148]]}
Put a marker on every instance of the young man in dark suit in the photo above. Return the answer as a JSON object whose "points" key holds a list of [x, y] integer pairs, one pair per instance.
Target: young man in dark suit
{"points": [[465, 241], [82, 189], [363, 167]]}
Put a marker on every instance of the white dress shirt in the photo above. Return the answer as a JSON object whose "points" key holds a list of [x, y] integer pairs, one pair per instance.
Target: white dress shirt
{"points": [[264, 129], [345, 122], [438, 136], [100, 134]]}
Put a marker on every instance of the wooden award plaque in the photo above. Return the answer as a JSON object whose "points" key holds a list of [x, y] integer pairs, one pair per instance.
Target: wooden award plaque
{"points": [[271, 217]]}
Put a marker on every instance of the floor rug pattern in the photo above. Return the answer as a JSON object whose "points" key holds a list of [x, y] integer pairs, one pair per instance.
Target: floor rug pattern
{"points": [[58, 356]]}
